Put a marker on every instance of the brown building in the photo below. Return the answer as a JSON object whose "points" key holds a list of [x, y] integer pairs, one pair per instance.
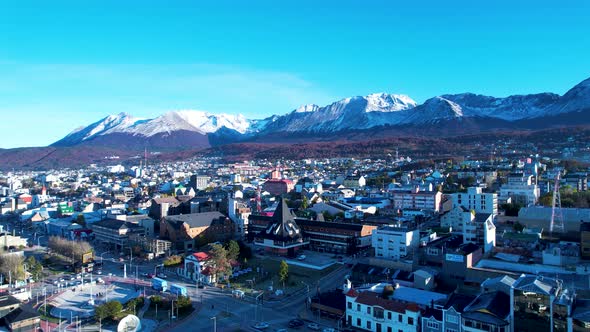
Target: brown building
{"points": [[190, 230], [334, 237], [278, 186]]}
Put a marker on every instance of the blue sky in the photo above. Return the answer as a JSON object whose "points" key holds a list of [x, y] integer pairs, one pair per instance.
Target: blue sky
{"points": [[63, 64]]}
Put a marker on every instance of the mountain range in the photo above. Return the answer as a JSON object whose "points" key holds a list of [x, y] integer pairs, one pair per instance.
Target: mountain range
{"points": [[378, 115]]}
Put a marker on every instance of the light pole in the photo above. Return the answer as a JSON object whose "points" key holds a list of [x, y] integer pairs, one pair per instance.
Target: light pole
{"points": [[214, 323], [38, 240], [101, 256]]}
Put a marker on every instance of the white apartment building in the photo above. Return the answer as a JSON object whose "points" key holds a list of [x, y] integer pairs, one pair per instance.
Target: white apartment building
{"points": [[520, 189], [416, 199], [394, 242], [480, 230], [475, 199], [370, 312]]}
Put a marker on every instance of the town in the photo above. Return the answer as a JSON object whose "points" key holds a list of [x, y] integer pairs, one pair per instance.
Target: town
{"points": [[346, 244]]}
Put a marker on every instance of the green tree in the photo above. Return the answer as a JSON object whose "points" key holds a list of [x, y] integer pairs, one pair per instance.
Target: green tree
{"points": [[220, 265], [233, 250], [184, 303], [81, 220], [387, 292], [34, 268], [518, 227], [304, 203], [283, 272]]}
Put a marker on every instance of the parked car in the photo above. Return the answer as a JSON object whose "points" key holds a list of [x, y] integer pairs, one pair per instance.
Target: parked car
{"points": [[296, 323], [261, 325], [313, 326], [150, 275], [162, 275], [301, 257], [328, 329]]}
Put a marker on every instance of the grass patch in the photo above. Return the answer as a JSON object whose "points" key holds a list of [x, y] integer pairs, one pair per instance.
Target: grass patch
{"points": [[267, 275]]}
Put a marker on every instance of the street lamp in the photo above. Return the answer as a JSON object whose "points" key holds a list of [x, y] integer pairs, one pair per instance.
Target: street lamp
{"points": [[214, 323], [39, 240]]}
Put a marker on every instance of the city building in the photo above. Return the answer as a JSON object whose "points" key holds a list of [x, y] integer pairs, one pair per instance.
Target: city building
{"points": [[480, 229], [189, 231], [282, 236], [416, 199], [395, 242], [336, 237], [519, 189], [475, 199], [115, 232], [199, 182], [541, 304], [371, 312]]}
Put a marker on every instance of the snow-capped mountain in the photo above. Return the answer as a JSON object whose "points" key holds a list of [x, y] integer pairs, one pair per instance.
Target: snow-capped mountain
{"points": [[350, 113], [198, 122], [393, 112]]}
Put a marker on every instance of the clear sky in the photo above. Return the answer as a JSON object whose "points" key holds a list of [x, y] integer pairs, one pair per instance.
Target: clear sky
{"points": [[64, 64]]}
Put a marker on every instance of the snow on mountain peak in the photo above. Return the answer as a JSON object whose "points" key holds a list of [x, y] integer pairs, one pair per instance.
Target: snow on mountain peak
{"points": [[383, 102], [307, 108]]}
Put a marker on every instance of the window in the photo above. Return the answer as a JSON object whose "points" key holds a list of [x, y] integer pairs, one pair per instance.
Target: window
{"points": [[452, 319], [389, 315], [432, 325], [378, 313], [450, 330], [389, 329], [358, 322], [400, 318], [369, 310], [369, 324], [410, 321], [349, 305], [358, 307]]}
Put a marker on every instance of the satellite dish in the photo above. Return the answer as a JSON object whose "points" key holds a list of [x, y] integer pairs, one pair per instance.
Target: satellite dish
{"points": [[130, 323]]}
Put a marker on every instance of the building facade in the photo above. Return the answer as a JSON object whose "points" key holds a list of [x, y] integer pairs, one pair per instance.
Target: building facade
{"points": [[394, 242]]}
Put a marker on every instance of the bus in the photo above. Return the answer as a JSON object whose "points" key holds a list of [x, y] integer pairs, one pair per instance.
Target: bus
{"points": [[159, 284], [178, 290]]}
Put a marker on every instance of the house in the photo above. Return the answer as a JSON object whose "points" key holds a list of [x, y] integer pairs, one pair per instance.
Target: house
{"points": [[371, 312], [354, 181], [23, 319], [453, 309], [184, 231], [488, 312], [195, 268], [541, 302], [7, 304]]}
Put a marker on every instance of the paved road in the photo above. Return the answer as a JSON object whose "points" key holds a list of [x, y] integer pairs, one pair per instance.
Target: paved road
{"points": [[232, 313]]}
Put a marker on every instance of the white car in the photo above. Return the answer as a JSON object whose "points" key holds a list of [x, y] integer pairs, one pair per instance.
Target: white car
{"points": [[313, 326], [301, 257], [261, 325]]}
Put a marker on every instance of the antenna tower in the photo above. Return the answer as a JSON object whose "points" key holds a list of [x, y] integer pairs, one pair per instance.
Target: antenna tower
{"points": [[556, 224]]}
